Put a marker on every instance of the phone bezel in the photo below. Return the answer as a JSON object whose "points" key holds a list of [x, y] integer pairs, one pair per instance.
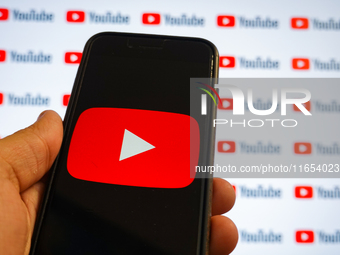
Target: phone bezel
{"points": [[206, 184]]}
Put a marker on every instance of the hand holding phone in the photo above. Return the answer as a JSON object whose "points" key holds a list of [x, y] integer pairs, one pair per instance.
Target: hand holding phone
{"points": [[81, 215], [18, 212]]}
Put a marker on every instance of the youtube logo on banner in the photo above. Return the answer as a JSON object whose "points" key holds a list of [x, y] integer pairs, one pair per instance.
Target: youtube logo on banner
{"points": [[307, 105], [300, 63], [75, 16], [304, 236], [225, 21], [226, 104], [303, 148], [299, 23], [151, 18], [73, 57], [303, 191], [143, 149], [3, 14], [2, 56], [226, 146], [227, 62], [1, 98], [66, 99]]}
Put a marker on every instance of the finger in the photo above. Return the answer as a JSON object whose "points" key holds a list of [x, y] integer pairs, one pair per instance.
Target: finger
{"points": [[223, 196], [32, 198], [223, 235], [27, 155]]}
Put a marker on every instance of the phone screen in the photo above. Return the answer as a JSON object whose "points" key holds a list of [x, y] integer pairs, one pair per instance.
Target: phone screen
{"points": [[131, 90]]}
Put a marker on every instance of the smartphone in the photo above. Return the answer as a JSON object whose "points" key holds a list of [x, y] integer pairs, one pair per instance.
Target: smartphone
{"points": [[120, 183]]}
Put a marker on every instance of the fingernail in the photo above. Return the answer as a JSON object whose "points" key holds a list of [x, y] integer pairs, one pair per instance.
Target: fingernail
{"points": [[41, 115]]}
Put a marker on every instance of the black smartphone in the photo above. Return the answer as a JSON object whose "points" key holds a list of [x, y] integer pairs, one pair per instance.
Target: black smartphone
{"points": [[120, 183]]}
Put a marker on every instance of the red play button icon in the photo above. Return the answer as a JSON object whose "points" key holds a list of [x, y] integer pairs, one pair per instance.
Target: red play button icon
{"points": [[303, 191], [151, 18], [75, 16], [303, 148], [227, 62], [134, 147], [299, 23], [300, 63], [73, 57], [4, 14], [304, 236], [226, 21]]}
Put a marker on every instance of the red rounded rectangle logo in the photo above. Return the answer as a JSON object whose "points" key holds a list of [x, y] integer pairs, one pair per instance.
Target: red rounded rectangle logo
{"points": [[227, 62], [151, 18], [2, 55], [226, 146], [225, 21], [300, 63], [299, 23], [307, 105], [225, 104], [304, 236], [302, 148], [132, 147], [66, 99], [73, 57], [75, 16], [4, 14], [303, 191]]}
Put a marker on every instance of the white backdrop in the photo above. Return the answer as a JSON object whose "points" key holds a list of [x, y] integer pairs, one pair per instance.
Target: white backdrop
{"points": [[34, 76]]}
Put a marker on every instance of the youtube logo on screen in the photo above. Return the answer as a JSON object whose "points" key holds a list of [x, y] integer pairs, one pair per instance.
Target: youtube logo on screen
{"points": [[151, 18], [225, 21], [299, 23], [303, 191], [143, 149], [227, 62], [304, 236], [303, 148], [1, 98], [73, 57], [226, 146], [2, 56], [226, 104], [66, 98], [75, 16], [307, 105], [3, 14], [300, 63]]}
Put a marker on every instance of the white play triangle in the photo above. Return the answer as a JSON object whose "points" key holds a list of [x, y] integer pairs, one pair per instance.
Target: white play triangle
{"points": [[133, 145]]}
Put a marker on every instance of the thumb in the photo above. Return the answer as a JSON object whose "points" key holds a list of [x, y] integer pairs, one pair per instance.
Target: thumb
{"points": [[28, 154]]}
